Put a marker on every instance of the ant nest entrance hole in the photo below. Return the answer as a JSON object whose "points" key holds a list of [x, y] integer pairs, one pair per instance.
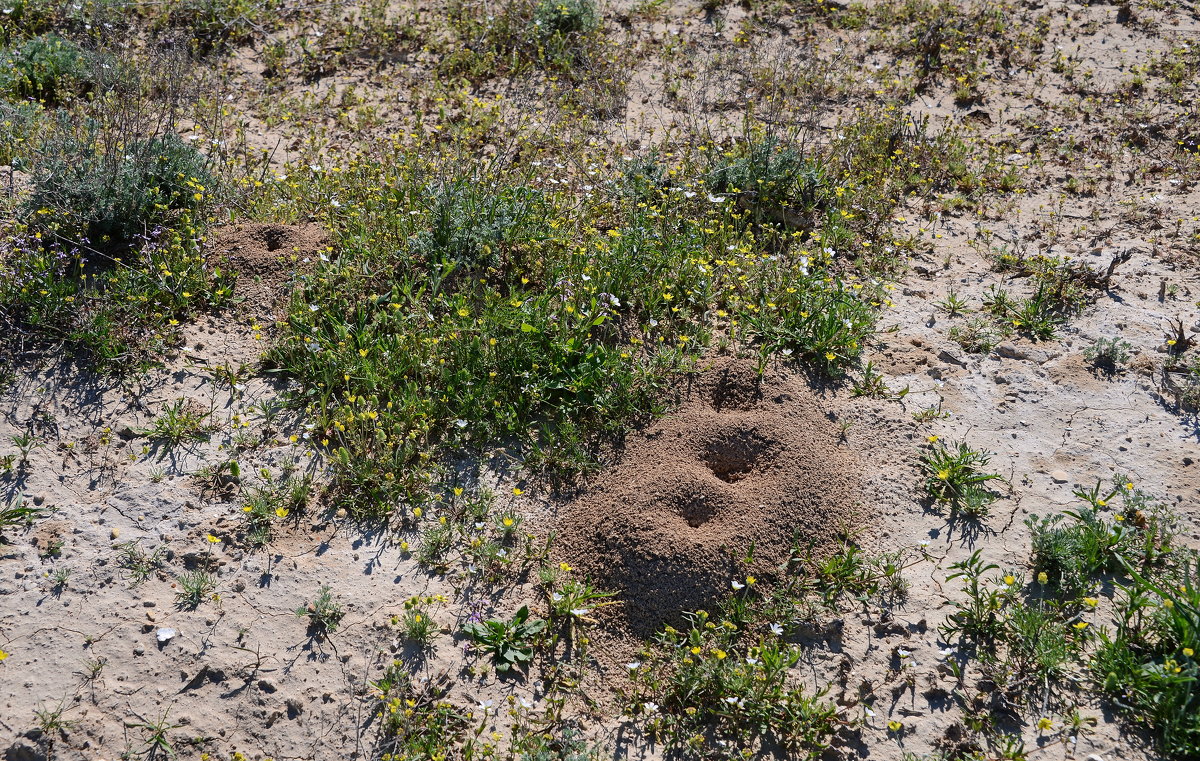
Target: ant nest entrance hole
{"points": [[700, 506], [736, 454], [274, 237]]}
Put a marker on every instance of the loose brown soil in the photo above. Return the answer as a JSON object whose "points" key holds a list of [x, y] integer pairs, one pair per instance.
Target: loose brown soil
{"points": [[266, 258], [744, 464]]}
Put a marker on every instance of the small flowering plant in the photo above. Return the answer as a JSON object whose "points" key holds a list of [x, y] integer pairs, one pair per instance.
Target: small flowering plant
{"points": [[114, 305], [577, 599], [729, 681], [510, 643], [956, 476], [1149, 665], [1112, 527], [415, 717]]}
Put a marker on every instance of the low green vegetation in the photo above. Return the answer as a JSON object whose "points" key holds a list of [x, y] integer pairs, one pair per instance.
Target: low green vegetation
{"points": [[47, 69], [213, 24], [1073, 548], [729, 682], [195, 587], [17, 514], [105, 254], [324, 613], [85, 191], [725, 685], [23, 19], [137, 563], [274, 501], [1044, 641], [178, 422], [554, 321], [1148, 666], [418, 624], [1108, 354], [1058, 289], [510, 643], [956, 477], [418, 721], [564, 37]]}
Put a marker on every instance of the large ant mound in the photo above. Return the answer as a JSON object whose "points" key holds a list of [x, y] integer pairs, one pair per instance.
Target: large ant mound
{"points": [[744, 469], [266, 258]]}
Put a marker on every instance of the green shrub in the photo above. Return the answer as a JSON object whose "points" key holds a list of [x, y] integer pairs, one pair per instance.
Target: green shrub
{"points": [[824, 322], [470, 226], [109, 198], [564, 18], [108, 256], [775, 181], [47, 69], [90, 18]]}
